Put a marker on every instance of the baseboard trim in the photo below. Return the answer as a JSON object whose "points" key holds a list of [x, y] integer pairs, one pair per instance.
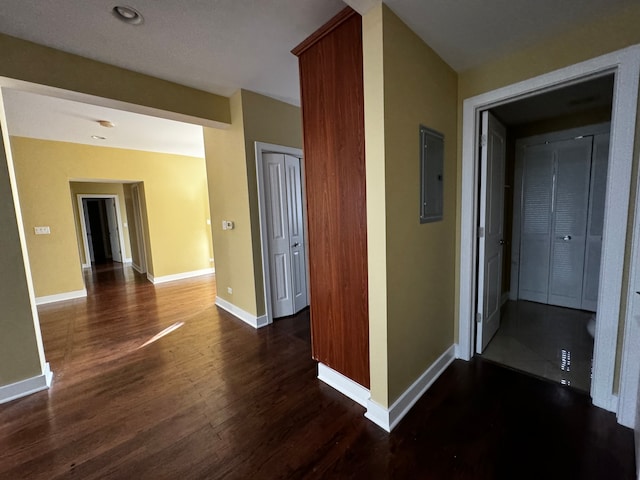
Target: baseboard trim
{"points": [[246, 317], [137, 268], [387, 419], [26, 387], [344, 385], [60, 297], [128, 260], [179, 276]]}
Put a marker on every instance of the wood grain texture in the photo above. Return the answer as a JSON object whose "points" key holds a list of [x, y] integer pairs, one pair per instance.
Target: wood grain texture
{"points": [[216, 399], [333, 126]]}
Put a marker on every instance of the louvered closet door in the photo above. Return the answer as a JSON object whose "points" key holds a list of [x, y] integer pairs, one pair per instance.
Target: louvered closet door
{"points": [[568, 234], [535, 244], [595, 222]]}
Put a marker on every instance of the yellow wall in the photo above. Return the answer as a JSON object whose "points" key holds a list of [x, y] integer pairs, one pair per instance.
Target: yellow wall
{"points": [[175, 193], [23, 60], [270, 121], [419, 88], [374, 123], [231, 172], [19, 356], [102, 189]]}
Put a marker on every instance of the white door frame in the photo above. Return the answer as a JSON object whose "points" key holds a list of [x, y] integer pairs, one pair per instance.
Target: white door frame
{"points": [[261, 148], [83, 226], [626, 66]]}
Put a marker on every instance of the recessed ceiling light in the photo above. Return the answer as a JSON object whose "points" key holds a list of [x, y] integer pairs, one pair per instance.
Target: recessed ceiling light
{"points": [[106, 123], [98, 137], [127, 14]]}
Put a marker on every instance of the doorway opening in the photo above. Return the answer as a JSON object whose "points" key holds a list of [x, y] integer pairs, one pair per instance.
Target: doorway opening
{"points": [[102, 229], [543, 222], [283, 230], [623, 65]]}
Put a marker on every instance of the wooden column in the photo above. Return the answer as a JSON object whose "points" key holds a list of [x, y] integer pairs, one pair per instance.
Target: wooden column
{"points": [[333, 125]]}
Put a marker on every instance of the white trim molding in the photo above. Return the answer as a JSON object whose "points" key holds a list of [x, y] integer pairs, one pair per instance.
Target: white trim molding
{"points": [[61, 297], [179, 276], [630, 364], [387, 419], [26, 387], [246, 317], [344, 385], [625, 64]]}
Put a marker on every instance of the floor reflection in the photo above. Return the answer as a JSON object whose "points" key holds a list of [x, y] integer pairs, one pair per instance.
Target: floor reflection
{"points": [[544, 340]]}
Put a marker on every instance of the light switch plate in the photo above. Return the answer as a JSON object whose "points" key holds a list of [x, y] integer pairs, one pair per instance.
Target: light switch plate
{"points": [[42, 230]]}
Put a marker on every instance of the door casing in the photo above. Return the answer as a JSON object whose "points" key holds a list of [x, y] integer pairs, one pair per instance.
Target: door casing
{"points": [[83, 226], [260, 148], [625, 64]]}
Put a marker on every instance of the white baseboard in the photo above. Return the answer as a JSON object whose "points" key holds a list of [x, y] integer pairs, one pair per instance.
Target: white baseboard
{"points": [[59, 297], [387, 419], [460, 354], [128, 260], [27, 386], [179, 276], [137, 268], [344, 385], [246, 317], [86, 265]]}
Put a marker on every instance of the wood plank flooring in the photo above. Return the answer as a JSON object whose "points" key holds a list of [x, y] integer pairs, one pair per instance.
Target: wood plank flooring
{"points": [[214, 398]]}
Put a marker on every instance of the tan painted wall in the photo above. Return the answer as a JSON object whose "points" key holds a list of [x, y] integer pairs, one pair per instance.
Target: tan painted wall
{"points": [[175, 193], [131, 221], [231, 172], [419, 88], [23, 60], [270, 121], [375, 161], [101, 189], [19, 356]]}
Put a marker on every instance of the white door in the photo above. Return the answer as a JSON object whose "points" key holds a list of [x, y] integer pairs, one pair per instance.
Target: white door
{"points": [[89, 239], [535, 222], [296, 233], [569, 226], [285, 233], [114, 233], [490, 229]]}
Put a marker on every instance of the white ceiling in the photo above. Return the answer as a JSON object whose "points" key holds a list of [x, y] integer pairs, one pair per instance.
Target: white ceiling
{"points": [[37, 116], [222, 45]]}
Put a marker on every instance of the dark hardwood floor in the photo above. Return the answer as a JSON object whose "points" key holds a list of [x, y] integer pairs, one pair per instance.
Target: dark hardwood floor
{"points": [[214, 398]]}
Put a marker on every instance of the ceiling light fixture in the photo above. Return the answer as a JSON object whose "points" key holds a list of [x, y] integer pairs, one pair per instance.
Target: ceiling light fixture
{"points": [[127, 14], [106, 123], [98, 137]]}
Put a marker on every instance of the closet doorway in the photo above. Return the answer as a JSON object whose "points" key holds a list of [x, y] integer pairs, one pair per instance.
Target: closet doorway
{"points": [[555, 170]]}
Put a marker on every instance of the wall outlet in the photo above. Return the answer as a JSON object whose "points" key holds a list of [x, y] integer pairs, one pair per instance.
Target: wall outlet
{"points": [[230, 290], [227, 225], [42, 230]]}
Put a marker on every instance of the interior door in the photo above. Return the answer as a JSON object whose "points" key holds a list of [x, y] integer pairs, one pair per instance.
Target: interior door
{"points": [[536, 219], [296, 233], [285, 233], [114, 233], [491, 224], [569, 227]]}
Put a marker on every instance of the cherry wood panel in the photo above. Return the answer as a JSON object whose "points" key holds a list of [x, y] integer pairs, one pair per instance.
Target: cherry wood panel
{"points": [[333, 126]]}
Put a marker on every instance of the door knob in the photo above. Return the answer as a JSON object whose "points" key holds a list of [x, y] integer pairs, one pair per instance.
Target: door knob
{"points": [[502, 242], [295, 245], [566, 238]]}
